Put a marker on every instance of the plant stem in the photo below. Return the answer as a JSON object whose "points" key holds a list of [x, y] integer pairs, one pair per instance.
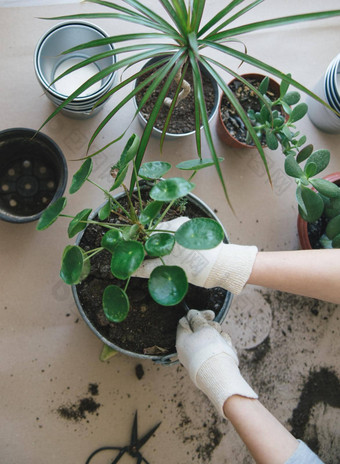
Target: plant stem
{"points": [[110, 196], [127, 283]]}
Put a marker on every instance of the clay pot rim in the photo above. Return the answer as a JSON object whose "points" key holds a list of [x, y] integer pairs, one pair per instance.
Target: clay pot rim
{"points": [[302, 225]]}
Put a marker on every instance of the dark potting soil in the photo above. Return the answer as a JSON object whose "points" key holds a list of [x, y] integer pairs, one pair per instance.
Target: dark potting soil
{"points": [[149, 327], [183, 117], [249, 100], [316, 230], [78, 410]]}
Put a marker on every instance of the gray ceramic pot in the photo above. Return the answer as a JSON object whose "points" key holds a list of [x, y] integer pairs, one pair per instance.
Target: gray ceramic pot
{"points": [[161, 359]]}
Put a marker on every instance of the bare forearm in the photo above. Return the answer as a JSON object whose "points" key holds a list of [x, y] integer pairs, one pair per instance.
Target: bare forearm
{"points": [[312, 273], [267, 440]]}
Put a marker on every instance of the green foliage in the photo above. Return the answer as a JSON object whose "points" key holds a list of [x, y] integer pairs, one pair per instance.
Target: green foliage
{"points": [[181, 36], [135, 237], [280, 130]]}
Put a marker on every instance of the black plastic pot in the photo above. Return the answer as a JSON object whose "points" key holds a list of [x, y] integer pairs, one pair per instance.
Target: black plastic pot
{"points": [[160, 359], [33, 173]]}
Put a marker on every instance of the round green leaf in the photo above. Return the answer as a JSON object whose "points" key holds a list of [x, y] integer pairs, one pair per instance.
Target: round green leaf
{"points": [[127, 257], [104, 211], [115, 303], [160, 244], [154, 169], [196, 164], [72, 265], [199, 234], [168, 285], [81, 175], [325, 242], [171, 189], [150, 212], [50, 215], [327, 188], [333, 227], [130, 150], [78, 223], [111, 238]]}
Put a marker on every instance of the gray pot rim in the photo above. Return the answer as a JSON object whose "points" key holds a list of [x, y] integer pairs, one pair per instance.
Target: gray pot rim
{"points": [[160, 359], [157, 132], [47, 87]]}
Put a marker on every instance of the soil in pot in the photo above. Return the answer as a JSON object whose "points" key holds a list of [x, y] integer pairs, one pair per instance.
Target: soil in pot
{"points": [[316, 230], [183, 118], [249, 101], [149, 328]]}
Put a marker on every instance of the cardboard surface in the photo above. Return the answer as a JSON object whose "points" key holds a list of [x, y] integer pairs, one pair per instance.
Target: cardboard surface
{"points": [[49, 357]]}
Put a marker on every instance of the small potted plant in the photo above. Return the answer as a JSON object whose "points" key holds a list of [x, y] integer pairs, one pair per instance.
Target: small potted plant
{"points": [[318, 198], [180, 39], [114, 241]]}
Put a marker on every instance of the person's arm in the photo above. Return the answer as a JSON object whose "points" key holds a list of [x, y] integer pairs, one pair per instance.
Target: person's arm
{"points": [[265, 437], [312, 273], [208, 355]]}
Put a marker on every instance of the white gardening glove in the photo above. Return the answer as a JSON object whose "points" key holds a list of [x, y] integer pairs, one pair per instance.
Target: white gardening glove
{"points": [[226, 266], [208, 355]]}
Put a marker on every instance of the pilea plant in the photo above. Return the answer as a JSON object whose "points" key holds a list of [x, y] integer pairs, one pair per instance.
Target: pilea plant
{"points": [[135, 236], [280, 130]]}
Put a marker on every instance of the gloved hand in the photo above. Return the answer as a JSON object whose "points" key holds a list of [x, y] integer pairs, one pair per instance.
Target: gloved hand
{"points": [[208, 355], [226, 266]]}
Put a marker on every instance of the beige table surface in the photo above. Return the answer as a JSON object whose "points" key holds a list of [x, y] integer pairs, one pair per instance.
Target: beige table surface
{"points": [[49, 357]]}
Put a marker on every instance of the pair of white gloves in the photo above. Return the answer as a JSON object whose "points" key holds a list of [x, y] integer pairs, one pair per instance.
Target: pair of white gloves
{"points": [[203, 349]]}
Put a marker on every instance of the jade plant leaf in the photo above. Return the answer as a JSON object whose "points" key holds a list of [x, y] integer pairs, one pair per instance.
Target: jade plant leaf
{"points": [[196, 164], [292, 168], [325, 242], [127, 257], [336, 241], [310, 204], [81, 175], [321, 158], [168, 285], [150, 212], [115, 303], [199, 234], [298, 112], [325, 187], [79, 222], [310, 170], [154, 169], [171, 189], [304, 153], [292, 98], [111, 238], [51, 214], [333, 227], [160, 244], [332, 208], [271, 140], [72, 265]]}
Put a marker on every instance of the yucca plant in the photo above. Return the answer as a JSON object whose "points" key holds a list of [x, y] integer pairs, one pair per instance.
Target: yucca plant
{"points": [[180, 39]]}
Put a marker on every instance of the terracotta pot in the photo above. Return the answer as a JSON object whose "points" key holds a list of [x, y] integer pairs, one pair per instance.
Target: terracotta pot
{"points": [[302, 225], [222, 131], [160, 359]]}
